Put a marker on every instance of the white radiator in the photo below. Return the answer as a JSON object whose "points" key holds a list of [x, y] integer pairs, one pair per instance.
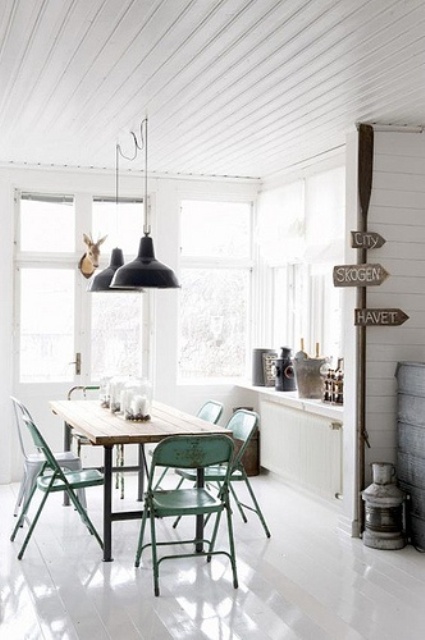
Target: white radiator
{"points": [[304, 448]]}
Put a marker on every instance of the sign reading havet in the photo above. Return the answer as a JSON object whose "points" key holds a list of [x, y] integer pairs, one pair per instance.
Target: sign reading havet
{"points": [[359, 275], [379, 317]]}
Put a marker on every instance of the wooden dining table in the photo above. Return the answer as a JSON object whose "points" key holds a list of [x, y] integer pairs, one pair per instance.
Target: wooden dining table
{"points": [[106, 429]]}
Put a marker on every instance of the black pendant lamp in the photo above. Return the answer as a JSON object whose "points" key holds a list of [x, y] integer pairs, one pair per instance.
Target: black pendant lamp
{"points": [[102, 281], [145, 271]]}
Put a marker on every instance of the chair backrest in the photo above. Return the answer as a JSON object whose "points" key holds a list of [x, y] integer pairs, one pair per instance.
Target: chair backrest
{"points": [[20, 412], [192, 452], [82, 390], [243, 425], [41, 444], [211, 411]]}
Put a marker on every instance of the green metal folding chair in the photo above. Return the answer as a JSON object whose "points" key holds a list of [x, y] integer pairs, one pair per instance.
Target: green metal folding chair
{"points": [[211, 411], [53, 479], [190, 452], [243, 425]]}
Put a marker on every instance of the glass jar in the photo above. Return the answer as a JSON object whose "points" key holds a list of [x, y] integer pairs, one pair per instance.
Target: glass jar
{"points": [[116, 385], [104, 391], [137, 399]]}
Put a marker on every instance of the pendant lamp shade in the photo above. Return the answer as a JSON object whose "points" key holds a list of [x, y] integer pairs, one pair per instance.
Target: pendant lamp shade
{"points": [[102, 281], [145, 271]]}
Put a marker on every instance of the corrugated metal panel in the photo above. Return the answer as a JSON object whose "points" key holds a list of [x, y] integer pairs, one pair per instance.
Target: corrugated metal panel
{"points": [[231, 87]]}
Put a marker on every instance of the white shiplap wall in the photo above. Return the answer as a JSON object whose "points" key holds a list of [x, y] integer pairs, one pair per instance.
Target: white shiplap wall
{"points": [[397, 212]]}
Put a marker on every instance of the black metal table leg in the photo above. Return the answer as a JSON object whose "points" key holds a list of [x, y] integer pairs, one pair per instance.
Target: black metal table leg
{"points": [[200, 481], [107, 505], [66, 447], [141, 472], [67, 437]]}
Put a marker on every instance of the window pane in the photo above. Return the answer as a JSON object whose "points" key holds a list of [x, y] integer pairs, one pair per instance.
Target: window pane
{"points": [[216, 229], [46, 325], [116, 334], [291, 318], [213, 322], [123, 225], [47, 225]]}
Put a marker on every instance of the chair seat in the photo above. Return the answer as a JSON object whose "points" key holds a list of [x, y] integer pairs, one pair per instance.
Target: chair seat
{"points": [[77, 480], [191, 501]]}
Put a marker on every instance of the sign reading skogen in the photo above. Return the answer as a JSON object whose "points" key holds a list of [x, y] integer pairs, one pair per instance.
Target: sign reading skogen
{"points": [[359, 275]]}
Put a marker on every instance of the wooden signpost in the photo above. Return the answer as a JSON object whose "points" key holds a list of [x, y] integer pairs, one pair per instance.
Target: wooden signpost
{"points": [[359, 275], [379, 317]]}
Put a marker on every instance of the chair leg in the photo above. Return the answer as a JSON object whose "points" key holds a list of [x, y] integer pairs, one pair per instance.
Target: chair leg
{"points": [[30, 479], [119, 459], [84, 516], [155, 566], [20, 494], [257, 506], [231, 544], [214, 535], [35, 520], [122, 475], [23, 513], [179, 484], [141, 536], [160, 479], [117, 462], [238, 504], [82, 497]]}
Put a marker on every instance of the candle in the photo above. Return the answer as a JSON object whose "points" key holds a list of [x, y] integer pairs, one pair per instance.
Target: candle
{"points": [[139, 405]]}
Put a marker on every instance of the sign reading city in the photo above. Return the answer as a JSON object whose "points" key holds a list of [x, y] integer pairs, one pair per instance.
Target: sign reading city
{"points": [[359, 275], [379, 317], [366, 240]]}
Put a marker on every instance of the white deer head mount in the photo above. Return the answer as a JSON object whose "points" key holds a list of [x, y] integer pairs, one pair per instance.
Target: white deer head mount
{"points": [[89, 261]]}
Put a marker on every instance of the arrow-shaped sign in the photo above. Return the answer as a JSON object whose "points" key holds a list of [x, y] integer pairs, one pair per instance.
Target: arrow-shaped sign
{"points": [[366, 240], [379, 317], [359, 275]]}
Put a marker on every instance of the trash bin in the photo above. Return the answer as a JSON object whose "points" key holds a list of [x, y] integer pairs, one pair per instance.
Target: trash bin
{"points": [[251, 457]]}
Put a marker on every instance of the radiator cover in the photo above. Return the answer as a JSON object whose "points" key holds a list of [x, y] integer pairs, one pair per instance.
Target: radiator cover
{"points": [[303, 448]]}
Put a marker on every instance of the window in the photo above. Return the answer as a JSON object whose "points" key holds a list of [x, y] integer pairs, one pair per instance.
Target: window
{"points": [[55, 315], [46, 324], [215, 296], [301, 231], [47, 223]]}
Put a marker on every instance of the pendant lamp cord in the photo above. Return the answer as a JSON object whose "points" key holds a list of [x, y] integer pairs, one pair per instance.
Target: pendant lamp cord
{"points": [[138, 147], [146, 226], [117, 156]]}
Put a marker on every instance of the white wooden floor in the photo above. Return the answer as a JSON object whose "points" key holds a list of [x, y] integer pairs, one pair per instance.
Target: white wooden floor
{"points": [[310, 581]]}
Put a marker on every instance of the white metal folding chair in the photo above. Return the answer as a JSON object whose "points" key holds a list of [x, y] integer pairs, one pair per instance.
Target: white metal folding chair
{"points": [[33, 462]]}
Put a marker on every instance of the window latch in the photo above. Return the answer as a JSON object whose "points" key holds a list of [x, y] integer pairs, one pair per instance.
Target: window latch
{"points": [[77, 363]]}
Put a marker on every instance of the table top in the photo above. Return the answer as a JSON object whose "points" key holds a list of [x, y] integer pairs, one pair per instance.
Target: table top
{"points": [[104, 428]]}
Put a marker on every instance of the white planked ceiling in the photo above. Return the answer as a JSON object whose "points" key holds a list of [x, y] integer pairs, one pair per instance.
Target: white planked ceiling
{"points": [[230, 87]]}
